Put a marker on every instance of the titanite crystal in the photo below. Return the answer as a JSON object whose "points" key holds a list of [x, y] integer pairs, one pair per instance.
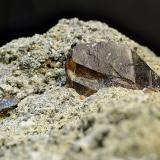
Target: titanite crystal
{"points": [[8, 103], [93, 66]]}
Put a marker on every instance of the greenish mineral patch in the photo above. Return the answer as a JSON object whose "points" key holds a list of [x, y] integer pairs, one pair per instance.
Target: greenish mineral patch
{"points": [[55, 122]]}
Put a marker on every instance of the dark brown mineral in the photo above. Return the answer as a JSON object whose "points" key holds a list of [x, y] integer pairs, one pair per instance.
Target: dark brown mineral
{"points": [[96, 65]]}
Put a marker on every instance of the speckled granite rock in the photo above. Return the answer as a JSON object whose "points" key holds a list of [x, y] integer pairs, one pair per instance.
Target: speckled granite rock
{"points": [[53, 122]]}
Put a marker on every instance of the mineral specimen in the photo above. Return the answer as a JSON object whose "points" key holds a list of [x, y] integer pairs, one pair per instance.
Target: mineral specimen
{"points": [[93, 66], [8, 103]]}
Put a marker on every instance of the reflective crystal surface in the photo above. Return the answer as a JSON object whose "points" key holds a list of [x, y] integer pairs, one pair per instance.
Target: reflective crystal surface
{"points": [[8, 103], [93, 66]]}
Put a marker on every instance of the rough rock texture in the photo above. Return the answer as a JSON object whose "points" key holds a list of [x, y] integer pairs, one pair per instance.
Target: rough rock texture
{"points": [[54, 122]]}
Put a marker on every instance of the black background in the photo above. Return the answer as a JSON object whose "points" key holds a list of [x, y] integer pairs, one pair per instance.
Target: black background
{"points": [[138, 19]]}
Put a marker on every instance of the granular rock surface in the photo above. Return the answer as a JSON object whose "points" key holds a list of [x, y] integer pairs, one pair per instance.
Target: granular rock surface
{"points": [[54, 122]]}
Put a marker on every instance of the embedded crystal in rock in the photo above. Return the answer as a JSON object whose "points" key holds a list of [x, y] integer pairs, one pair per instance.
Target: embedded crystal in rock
{"points": [[96, 65], [8, 103]]}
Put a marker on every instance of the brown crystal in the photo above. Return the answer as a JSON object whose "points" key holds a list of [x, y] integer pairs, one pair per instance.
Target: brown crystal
{"points": [[96, 65]]}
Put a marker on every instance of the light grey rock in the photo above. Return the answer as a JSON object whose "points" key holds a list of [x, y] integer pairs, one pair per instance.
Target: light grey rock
{"points": [[53, 122]]}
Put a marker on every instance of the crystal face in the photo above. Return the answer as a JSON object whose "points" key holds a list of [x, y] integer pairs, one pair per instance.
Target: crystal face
{"points": [[96, 65], [8, 103]]}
